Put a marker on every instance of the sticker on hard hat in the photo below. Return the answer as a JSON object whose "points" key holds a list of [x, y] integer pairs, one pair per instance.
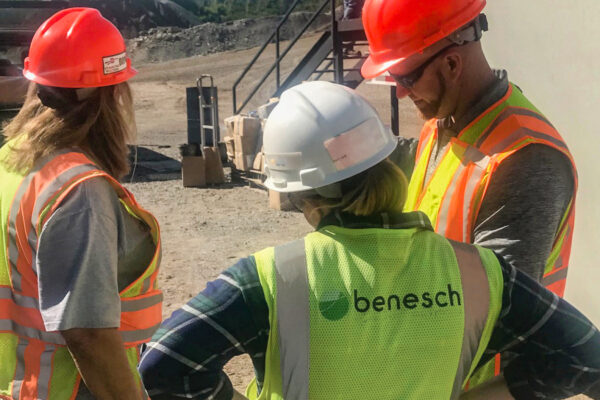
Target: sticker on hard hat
{"points": [[284, 161], [356, 145], [114, 64]]}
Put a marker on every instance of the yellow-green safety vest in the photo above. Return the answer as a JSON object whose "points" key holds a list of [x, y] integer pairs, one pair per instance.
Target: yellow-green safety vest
{"points": [[375, 314]]}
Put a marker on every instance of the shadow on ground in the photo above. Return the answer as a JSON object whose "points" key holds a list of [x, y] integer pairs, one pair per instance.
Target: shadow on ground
{"points": [[148, 165]]}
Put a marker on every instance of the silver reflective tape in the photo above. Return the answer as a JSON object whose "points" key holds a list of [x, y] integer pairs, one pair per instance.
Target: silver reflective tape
{"points": [[20, 371], [140, 304], [508, 112], [476, 303], [442, 219], [472, 186], [45, 371], [146, 284], [522, 133], [555, 277], [23, 331], [293, 318], [13, 256], [138, 335], [20, 300]]}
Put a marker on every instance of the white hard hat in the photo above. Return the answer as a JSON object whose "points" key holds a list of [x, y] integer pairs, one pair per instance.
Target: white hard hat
{"points": [[321, 133]]}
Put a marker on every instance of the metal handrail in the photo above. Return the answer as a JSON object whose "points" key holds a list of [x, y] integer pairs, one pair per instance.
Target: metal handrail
{"points": [[278, 55]]}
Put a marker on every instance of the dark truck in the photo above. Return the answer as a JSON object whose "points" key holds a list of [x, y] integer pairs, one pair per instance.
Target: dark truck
{"points": [[18, 21]]}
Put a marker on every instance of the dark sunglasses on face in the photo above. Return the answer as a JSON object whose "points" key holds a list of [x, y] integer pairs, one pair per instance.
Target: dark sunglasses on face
{"points": [[409, 80]]}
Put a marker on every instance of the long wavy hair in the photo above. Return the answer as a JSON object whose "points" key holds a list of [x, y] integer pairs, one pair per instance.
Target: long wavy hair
{"points": [[101, 126]]}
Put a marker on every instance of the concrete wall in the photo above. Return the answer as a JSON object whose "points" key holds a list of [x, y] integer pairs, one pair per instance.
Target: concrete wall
{"points": [[551, 50]]}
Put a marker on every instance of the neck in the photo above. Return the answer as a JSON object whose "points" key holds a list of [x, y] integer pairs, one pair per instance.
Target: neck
{"points": [[475, 86]]}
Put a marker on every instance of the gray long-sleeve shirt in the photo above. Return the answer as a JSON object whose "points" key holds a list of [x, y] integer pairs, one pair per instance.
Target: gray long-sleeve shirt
{"points": [[526, 198]]}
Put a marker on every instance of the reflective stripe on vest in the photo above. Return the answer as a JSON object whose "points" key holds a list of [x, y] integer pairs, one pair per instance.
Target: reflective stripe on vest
{"points": [[453, 195], [288, 365], [35, 362]]}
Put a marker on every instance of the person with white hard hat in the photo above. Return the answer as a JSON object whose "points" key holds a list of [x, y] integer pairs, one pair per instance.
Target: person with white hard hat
{"points": [[373, 304]]}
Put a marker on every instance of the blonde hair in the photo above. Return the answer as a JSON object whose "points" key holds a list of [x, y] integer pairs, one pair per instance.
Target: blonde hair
{"points": [[100, 126], [382, 188]]}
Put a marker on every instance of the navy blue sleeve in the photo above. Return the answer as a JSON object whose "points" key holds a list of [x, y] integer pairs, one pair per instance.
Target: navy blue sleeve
{"points": [[186, 355]]}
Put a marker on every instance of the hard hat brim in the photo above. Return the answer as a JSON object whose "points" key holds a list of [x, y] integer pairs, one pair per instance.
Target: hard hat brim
{"points": [[372, 69], [123, 76]]}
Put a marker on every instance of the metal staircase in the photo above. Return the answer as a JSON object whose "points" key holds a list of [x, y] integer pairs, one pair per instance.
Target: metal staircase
{"points": [[325, 58]]}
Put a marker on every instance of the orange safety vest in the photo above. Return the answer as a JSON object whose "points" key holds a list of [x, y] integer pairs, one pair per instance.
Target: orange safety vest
{"points": [[453, 195], [36, 363]]}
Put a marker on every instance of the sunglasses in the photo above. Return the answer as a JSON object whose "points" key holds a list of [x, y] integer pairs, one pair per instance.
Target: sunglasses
{"points": [[409, 80]]}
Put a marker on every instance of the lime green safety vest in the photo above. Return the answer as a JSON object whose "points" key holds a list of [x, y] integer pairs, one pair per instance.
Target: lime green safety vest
{"points": [[375, 314]]}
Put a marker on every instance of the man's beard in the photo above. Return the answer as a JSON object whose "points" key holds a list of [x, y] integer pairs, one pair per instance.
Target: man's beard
{"points": [[428, 110]]}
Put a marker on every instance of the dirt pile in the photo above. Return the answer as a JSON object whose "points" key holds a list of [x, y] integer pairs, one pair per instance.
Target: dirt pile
{"points": [[170, 43]]}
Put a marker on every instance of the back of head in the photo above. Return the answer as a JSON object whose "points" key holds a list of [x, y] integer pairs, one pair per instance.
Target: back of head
{"points": [[326, 139]]}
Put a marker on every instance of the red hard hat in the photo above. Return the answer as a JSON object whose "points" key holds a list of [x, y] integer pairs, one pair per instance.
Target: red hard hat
{"points": [[78, 48], [397, 29]]}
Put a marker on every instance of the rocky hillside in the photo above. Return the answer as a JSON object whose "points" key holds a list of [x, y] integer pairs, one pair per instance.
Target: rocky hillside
{"points": [[135, 16], [168, 43]]}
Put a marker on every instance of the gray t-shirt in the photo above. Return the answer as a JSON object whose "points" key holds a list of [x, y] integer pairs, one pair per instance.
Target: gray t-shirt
{"points": [[89, 250], [526, 198]]}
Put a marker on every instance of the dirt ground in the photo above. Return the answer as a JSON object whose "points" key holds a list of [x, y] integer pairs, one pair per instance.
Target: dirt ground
{"points": [[204, 231]]}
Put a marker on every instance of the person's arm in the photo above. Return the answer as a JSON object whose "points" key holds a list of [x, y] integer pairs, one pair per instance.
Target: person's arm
{"points": [[556, 348], [185, 358], [100, 358], [77, 263], [523, 207]]}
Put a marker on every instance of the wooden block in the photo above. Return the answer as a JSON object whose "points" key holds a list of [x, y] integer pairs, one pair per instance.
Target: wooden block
{"points": [[279, 201], [246, 145], [247, 126], [214, 167], [193, 171], [258, 162], [230, 144], [230, 123], [240, 161]]}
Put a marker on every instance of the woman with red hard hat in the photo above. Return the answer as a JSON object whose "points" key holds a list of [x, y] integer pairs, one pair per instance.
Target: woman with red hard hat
{"points": [[78, 256]]}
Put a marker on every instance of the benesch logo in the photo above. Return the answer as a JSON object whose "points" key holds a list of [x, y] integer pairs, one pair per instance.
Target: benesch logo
{"points": [[334, 305], [410, 301]]}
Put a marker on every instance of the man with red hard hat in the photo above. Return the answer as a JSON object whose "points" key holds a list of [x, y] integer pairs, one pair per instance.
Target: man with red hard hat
{"points": [[489, 167]]}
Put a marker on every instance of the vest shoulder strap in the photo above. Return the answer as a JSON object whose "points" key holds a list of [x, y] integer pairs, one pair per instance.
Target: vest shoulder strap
{"points": [[293, 318], [476, 300]]}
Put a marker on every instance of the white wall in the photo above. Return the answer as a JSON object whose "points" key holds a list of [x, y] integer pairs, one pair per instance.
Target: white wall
{"points": [[551, 50]]}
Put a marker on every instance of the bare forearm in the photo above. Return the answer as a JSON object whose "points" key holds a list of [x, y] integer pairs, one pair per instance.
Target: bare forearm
{"points": [[100, 357]]}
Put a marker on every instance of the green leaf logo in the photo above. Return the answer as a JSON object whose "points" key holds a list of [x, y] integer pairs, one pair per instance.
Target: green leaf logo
{"points": [[334, 305]]}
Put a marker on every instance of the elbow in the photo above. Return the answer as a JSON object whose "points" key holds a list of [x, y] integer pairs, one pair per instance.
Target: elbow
{"points": [[157, 370]]}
